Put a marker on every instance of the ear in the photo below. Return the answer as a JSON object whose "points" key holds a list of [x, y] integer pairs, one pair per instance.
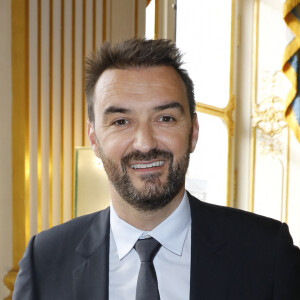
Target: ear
{"points": [[93, 138], [195, 132]]}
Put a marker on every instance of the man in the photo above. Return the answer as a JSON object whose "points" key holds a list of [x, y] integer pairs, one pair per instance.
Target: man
{"points": [[142, 124]]}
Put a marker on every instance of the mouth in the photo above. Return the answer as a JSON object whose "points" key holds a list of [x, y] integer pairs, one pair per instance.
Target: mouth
{"points": [[154, 164]]}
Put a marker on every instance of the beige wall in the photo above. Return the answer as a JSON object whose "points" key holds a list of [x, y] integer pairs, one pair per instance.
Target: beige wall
{"points": [[267, 180], [49, 108], [5, 145]]}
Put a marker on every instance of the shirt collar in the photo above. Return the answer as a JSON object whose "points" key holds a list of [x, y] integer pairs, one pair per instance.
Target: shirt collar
{"points": [[171, 233]]}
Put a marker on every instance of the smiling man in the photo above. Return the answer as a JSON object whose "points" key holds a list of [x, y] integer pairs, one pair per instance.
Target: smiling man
{"points": [[144, 132], [155, 241]]}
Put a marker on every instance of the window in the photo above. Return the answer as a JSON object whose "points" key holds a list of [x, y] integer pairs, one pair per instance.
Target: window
{"points": [[208, 57]]}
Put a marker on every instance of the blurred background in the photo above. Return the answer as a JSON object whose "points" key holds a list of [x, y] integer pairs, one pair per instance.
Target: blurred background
{"points": [[248, 153]]}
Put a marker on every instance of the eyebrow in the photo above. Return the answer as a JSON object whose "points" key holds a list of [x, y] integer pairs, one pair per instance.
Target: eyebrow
{"points": [[115, 109], [170, 105]]}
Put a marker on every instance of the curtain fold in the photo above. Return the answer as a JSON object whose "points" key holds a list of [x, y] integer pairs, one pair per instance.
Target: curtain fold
{"points": [[291, 64]]}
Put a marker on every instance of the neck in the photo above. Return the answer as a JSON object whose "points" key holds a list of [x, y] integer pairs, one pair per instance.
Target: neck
{"points": [[148, 220]]}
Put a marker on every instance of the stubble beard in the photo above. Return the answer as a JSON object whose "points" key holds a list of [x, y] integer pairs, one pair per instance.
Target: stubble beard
{"points": [[154, 194]]}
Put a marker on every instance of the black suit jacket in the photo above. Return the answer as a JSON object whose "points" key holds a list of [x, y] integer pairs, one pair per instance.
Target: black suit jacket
{"points": [[235, 255]]}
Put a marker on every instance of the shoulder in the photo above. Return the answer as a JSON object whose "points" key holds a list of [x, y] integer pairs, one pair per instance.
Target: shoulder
{"points": [[234, 223], [70, 233], [255, 247]]}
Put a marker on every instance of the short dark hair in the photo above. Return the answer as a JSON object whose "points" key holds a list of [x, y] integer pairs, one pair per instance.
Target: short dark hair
{"points": [[130, 54]]}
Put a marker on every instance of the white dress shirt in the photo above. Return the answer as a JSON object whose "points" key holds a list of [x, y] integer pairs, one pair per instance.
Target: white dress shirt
{"points": [[172, 262]]}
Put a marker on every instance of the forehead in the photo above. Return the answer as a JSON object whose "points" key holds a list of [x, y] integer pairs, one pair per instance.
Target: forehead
{"points": [[153, 83]]}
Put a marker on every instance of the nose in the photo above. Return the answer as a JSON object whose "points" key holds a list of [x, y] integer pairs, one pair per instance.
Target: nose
{"points": [[144, 139]]}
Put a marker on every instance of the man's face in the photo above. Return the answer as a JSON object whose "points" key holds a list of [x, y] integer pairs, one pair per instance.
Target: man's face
{"points": [[143, 133]]}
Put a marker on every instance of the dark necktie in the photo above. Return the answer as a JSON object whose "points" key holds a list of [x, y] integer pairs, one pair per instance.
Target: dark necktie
{"points": [[147, 288]]}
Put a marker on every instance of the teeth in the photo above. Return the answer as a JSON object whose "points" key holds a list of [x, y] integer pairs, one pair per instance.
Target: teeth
{"points": [[146, 166]]}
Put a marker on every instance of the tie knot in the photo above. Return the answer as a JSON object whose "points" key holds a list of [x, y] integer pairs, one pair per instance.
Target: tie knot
{"points": [[147, 249]]}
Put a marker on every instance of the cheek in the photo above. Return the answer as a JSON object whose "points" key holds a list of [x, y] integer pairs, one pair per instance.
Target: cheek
{"points": [[114, 147], [176, 143]]}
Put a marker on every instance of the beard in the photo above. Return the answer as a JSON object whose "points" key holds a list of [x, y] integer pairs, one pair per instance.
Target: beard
{"points": [[154, 194]]}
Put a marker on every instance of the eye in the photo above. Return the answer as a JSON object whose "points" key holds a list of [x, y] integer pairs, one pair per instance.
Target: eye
{"points": [[166, 119], [120, 122]]}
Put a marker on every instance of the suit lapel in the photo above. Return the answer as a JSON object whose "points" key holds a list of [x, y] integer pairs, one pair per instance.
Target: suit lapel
{"points": [[209, 255], [90, 278]]}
